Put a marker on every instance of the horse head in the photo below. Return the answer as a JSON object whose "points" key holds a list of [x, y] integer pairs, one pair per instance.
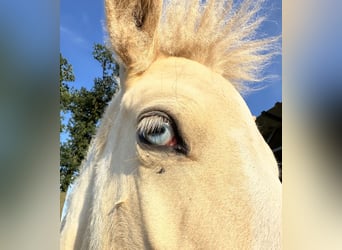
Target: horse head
{"points": [[178, 162]]}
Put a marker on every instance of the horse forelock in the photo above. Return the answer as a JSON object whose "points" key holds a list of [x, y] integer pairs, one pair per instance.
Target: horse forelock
{"points": [[218, 34]]}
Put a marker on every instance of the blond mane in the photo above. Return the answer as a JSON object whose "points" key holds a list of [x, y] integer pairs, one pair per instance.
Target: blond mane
{"points": [[218, 34]]}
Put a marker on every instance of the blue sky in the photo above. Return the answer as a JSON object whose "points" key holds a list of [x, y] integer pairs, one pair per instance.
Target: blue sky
{"points": [[81, 25]]}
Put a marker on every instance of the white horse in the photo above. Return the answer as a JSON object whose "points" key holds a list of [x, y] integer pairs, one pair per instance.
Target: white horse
{"points": [[178, 162]]}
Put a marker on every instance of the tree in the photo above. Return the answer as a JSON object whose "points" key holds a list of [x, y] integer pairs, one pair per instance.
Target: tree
{"points": [[65, 75], [86, 108]]}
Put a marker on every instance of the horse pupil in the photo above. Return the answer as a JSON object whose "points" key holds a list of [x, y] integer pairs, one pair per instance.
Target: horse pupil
{"points": [[158, 130]]}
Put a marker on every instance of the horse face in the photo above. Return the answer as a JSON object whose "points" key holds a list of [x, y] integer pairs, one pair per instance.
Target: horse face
{"points": [[192, 169], [178, 162]]}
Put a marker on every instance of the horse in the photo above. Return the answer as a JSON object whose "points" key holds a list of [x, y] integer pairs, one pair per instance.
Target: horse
{"points": [[177, 161]]}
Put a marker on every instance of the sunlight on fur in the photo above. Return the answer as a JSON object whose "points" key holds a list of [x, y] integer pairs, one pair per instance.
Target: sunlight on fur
{"points": [[215, 34]]}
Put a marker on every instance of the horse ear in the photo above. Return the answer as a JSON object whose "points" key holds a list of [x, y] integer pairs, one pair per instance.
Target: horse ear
{"points": [[132, 25]]}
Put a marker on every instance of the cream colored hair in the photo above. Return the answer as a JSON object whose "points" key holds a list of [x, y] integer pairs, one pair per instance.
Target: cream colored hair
{"points": [[218, 34]]}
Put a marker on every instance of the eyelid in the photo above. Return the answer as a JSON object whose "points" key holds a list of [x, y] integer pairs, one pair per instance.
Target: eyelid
{"points": [[149, 113]]}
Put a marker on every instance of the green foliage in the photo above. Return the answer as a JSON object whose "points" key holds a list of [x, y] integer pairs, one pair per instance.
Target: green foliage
{"points": [[65, 75], [86, 108]]}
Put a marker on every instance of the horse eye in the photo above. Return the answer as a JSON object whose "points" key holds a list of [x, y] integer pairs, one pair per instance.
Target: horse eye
{"points": [[156, 130]]}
